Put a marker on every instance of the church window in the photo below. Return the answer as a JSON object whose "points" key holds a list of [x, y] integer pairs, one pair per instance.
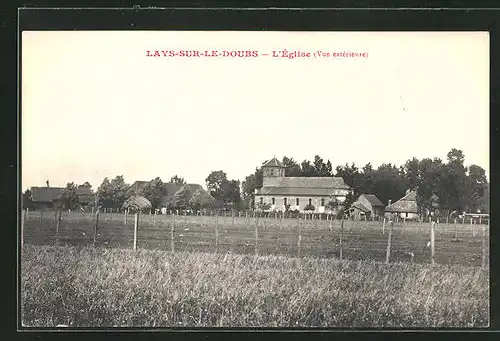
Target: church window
{"points": [[310, 201], [297, 201], [261, 200], [322, 202], [273, 200], [284, 201]]}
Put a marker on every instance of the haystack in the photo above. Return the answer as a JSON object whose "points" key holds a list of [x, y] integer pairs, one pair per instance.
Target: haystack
{"points": [[137, 203]]}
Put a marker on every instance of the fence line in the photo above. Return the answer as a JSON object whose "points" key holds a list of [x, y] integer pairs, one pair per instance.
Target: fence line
{"points": [[277, 234]]}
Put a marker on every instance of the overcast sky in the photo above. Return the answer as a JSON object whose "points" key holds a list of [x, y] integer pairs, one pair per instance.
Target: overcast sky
{"points": [[95, 106]]}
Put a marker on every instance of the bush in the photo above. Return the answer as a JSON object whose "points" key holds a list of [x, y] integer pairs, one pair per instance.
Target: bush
{"points": [[309, 208]]}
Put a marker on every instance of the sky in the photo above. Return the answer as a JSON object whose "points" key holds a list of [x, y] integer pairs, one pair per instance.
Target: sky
{"points": [[94, 105]]}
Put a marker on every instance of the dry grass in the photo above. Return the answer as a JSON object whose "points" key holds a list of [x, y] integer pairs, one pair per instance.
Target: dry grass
{"points": [[86, 287]]}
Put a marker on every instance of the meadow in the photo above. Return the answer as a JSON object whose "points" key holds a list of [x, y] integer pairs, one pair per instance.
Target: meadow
{"points": [[83, 286], [464, 244]]}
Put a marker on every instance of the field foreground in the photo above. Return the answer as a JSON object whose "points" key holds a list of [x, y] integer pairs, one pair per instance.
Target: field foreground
{"points": [[87, 287]]}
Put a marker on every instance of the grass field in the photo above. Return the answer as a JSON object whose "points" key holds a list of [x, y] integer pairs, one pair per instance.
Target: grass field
{"points": [[362, 240], [106, 287]]}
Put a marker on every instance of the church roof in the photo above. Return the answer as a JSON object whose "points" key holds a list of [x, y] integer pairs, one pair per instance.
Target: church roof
{"points": [[274, 162], [303, 186], [328, 182]]}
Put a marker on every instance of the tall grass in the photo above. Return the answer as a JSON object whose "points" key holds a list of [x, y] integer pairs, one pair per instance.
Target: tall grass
{"points": [[87, 287]]}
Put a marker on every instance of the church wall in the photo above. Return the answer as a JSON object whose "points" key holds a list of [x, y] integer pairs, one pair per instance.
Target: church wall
{"points": [[291, 200]]}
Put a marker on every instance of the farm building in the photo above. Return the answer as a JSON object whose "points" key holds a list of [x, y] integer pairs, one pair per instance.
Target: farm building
{"points": [[45, 197], [296, 193], [406, 207], [367, 206]]}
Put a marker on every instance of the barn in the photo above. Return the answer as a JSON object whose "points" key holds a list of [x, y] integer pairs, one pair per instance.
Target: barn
{"points": [[45, 197], [367, 206], [296, 193]]}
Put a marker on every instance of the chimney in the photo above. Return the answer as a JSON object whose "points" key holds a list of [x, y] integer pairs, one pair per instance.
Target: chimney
{"points": [[389, 202], [47, 182]]}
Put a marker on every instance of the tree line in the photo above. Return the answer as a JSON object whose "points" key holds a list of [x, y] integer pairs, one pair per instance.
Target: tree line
{"points": [[449, 184]]}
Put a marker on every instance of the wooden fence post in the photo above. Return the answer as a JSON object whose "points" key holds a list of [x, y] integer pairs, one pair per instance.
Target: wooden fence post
{"points": [[172, 229], [383, 227], [22, 228], [125, 217], [484, 247], [154, 219], [389, 242], [341, 238], [96, 226], [456, 230], [216, 233], [69, 214], [256, 237], [58, 220], [299, 241], [432, 242], [136, 222], [232, 215]]}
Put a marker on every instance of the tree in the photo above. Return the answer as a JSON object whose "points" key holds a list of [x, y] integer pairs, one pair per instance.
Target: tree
{"points": [[201, 199], [214, 181], [321, 168], [231, 192], [113, 193], [68, 196], [292, 168], [177, 180], [248, 190], [182, 197], [388, 183], [154, 191], [308, 169], [476, 187]]}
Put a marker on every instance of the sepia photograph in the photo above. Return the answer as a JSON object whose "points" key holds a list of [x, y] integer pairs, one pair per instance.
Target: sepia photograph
{"points": [[254, 179]]}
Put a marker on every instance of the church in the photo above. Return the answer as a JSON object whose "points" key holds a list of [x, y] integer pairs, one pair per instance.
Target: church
{"points": [[298, 192]]}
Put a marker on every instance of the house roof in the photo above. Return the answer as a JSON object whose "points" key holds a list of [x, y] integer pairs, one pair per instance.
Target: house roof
{"points": [[84, 191], [408, 203], [360, 206], [373, 200], [299, 191], [305, 182], [45, 194], [274, 162]]}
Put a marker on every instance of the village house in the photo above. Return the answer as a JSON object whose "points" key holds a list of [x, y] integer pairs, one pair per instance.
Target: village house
{"points": [[44, 198], [298, 192], [51, 197], [405, 208], [367, 206]]}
